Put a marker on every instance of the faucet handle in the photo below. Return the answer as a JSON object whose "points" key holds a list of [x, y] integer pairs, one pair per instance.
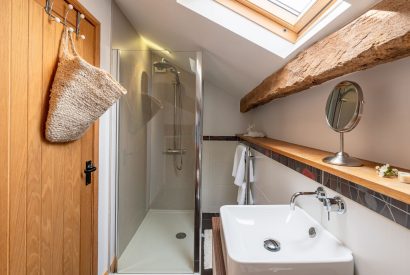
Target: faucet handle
{"points": [[335, 204], [321, 194]]}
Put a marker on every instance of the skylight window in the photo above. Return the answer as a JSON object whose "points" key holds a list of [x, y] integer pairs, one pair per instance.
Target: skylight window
{"points": [[286, 18]]}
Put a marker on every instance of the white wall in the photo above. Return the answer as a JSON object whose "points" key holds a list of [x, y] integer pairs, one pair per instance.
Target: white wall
{"points": [[102, 11], [221, 112], [132, 148], [383, 134], [171, 188], [135, 75], [221, 118], [380, 246]]}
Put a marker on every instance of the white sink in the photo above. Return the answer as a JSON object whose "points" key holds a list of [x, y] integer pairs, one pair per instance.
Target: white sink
{"points": [[245, 228]]}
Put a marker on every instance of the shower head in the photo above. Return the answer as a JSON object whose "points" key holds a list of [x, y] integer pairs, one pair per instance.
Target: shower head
{"points": [[163, 65]]}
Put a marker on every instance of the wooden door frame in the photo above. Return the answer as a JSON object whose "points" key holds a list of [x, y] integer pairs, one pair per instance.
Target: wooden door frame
{"points": [[77, 5]]}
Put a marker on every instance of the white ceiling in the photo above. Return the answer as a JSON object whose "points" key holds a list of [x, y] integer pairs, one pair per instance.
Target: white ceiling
{"points": [[231, 62]]}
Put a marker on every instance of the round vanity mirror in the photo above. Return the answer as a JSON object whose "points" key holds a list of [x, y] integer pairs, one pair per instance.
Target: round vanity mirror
{"points": [[344, 106], [343, 111]]}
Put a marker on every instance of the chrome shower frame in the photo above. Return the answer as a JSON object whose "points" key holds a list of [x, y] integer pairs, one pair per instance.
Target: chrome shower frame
{"points": [[198, 161]]}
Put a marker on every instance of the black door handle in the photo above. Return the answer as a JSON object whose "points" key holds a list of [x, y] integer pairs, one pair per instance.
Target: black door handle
{"points": [[89, 168]]}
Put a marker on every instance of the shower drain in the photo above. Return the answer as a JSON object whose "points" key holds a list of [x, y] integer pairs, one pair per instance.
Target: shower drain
{"points": [[180, 235]]}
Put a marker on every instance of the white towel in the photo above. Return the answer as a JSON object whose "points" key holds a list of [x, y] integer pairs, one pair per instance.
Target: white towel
{"points": [[241, 195], [254, 134], [238, 172], [242, 188], [239, 154], [239, 166], [208, 249]]}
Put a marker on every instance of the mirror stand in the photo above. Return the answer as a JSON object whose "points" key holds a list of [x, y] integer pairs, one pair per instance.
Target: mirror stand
{"points": [[342, 158]]}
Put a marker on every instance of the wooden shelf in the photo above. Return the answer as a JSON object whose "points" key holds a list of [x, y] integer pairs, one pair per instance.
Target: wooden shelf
{"points": [[365, 176]]}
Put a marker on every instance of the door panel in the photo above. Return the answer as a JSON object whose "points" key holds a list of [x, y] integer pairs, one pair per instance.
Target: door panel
{"points": [[48, 216], [34, 137], [5, 57], [18, 136]]}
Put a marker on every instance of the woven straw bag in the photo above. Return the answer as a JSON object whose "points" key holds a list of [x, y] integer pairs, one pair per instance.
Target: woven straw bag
{"points": [[80, 94]]}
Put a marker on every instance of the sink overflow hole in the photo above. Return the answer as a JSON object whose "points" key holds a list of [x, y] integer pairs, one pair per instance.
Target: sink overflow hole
{"points": [[271, 245], [312, 232], [180, 235]]}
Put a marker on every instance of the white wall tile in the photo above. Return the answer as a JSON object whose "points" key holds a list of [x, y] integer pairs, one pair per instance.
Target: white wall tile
{"points": [[172, 188], [221, 118], [217, 182]]}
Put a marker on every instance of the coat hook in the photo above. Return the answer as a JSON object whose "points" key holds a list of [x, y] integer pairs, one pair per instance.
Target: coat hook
{"points": [[49, 6], [49, 10], [70, 7], [80, 17]]}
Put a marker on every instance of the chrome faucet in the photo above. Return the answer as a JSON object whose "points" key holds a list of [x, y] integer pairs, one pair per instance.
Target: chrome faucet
{"points": [[335, 204], [319, 193]]}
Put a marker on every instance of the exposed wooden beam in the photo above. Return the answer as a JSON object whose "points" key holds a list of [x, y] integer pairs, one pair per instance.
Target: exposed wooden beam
{"points": [[380, 35]]}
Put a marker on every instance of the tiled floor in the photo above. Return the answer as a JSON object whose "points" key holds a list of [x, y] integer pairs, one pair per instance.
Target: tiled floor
{"points": [[206, 224]]}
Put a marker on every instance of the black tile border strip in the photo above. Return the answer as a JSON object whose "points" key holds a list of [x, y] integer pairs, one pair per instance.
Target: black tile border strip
{"points": [[209, 216], [397, 211], [221, 138]]}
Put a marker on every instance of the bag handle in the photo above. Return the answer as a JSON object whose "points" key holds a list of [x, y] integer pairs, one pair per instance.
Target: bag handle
{"points": [[65, 43]]}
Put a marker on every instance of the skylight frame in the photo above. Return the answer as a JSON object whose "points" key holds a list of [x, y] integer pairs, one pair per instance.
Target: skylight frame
{"points": [[289, 8], [277, 19]]}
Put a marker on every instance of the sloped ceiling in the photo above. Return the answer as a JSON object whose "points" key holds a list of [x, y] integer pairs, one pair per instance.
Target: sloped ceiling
{"points": [[230, 62]]}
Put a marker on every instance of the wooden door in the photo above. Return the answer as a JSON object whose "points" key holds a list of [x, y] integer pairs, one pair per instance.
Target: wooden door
{"points": [[48, 216]]}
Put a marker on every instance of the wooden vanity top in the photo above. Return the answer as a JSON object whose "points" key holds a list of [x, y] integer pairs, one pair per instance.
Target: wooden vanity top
{"points": [[365, 175], [218, 263]]}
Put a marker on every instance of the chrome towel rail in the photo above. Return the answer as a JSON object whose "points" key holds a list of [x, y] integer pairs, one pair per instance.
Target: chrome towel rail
{"points": [[248, 159]]}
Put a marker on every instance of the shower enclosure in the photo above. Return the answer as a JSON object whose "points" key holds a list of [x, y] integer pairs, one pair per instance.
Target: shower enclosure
{"points": [[159, 133]]}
